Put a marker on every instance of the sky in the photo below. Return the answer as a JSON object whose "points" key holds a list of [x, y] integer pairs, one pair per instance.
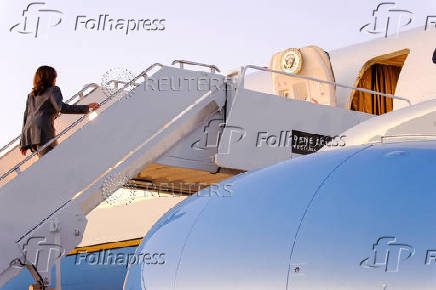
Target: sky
{"points": [[226, 33]]}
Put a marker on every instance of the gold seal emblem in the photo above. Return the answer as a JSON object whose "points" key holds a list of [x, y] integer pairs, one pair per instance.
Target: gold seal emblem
{"points": [[292, 61]]}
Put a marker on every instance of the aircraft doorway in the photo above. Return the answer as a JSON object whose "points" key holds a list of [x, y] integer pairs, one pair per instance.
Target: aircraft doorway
{"points": [[379, 74]]}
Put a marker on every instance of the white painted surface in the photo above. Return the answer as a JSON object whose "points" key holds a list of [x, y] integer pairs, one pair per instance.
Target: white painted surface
{"points": [[417, 78], [255, 115], [414, 122], [113, 223]]}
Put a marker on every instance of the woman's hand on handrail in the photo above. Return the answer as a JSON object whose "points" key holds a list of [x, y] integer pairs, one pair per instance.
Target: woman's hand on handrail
{"points": [[23, 151], [93, 106]]}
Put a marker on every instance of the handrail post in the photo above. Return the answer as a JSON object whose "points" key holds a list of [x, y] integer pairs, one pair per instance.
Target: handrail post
{"points": [[181, 62]]}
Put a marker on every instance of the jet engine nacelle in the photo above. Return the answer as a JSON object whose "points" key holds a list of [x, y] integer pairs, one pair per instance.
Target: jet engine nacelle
{"points": [[358, 218]]}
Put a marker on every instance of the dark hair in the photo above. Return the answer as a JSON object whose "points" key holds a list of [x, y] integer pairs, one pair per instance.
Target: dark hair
{"points": [[43, 79], [434, 56]]}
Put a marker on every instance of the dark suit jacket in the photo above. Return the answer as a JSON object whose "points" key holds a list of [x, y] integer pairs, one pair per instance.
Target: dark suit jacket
{"points": [[434, 56], [41, 110]]}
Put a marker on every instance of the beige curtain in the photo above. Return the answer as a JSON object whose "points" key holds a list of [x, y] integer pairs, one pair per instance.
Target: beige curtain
{"points": [[380, 78]]}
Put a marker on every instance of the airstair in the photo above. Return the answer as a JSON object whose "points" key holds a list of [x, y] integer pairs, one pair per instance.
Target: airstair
{"points": [[43, 207], [159, 117]]}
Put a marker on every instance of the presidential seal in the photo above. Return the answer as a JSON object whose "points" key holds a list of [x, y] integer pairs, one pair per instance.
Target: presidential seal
{"points": [[292, 61]]}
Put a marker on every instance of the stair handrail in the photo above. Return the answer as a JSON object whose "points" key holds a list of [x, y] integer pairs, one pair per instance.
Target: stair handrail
{"points": [[116, 82], [16, 167], [132, 82], [79, 94], [244, 69], [213, 68]]}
